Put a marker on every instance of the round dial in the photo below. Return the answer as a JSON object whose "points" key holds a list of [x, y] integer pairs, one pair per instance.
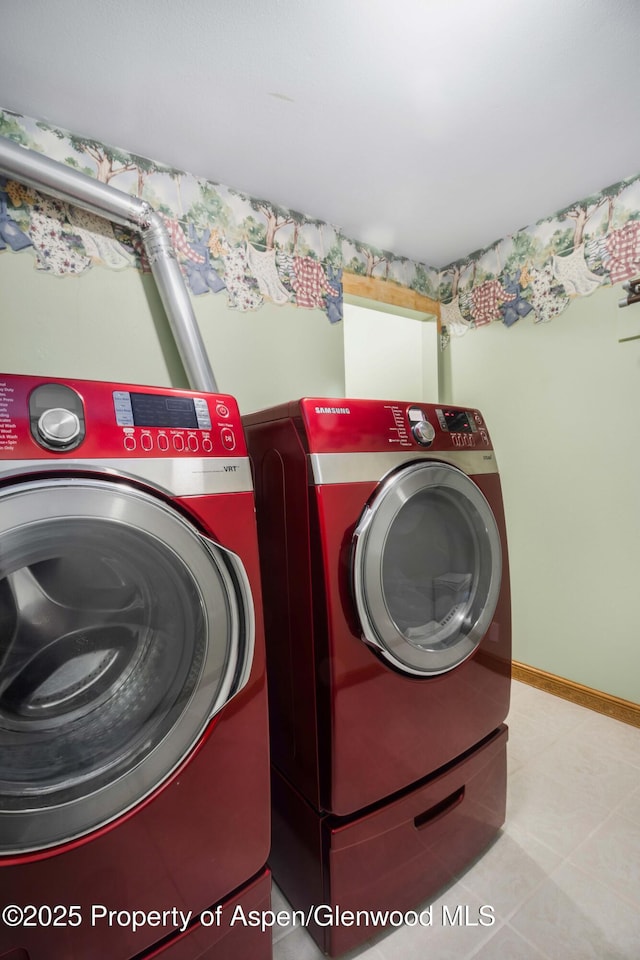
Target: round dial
{"points": [[424, 432], [59, 426]]}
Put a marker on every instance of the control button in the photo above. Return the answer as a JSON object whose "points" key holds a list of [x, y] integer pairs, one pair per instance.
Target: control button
{"points": [[424, 433], [146, 441], [207, 446], [163, 442], [192, 443], [202, 413], [222, 410], [123, 408], [59, 426], [129, 442], [178, 443], [228, 438]]}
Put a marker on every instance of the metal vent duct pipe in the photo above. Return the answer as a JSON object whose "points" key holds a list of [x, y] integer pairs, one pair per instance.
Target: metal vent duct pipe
{"points": [[48, 176]]}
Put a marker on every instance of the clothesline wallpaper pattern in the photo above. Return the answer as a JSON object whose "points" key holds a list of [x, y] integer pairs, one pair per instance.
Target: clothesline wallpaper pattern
{"points": [[536, 272], [247, 249], [253, 251]]}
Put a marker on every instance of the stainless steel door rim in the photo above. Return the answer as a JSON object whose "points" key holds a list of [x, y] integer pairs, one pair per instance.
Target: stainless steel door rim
{"points": [[123, 631], [426, 568]]}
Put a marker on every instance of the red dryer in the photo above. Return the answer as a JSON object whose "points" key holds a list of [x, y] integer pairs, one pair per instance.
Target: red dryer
{"points": [[134, 768], [387, 618]]}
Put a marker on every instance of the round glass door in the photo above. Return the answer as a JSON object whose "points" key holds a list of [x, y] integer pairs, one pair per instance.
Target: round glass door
{"points": [[427, 567], [122, 632]]}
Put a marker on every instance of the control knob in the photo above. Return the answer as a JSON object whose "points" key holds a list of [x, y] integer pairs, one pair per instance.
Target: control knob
{"points": [[424, 432], [59, 426]]}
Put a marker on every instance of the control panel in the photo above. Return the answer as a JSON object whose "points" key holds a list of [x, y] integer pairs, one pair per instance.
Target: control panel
{"points": [[465, 428], [378, 425], [96, 420], [173, 423]]}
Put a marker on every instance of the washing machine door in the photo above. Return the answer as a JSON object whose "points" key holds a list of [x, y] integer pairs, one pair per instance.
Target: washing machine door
{"points": [[122, 632], [427, 567]]}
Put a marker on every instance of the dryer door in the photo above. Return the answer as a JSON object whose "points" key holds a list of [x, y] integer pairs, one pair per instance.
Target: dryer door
{"points": [[122, 632], [427, 567]]}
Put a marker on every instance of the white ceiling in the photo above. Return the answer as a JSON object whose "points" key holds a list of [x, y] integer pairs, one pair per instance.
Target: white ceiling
{"points": [[429, 128]]}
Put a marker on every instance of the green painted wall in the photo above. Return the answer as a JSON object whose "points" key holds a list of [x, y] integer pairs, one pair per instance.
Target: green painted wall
{"points": [[562, 401]]}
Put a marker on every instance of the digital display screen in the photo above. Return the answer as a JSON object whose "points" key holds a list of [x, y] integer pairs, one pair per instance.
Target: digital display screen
{"points": [[150, 410], [457, 421]]}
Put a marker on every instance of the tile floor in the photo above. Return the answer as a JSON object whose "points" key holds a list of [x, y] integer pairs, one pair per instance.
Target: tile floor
{"points": [[563, 876]]}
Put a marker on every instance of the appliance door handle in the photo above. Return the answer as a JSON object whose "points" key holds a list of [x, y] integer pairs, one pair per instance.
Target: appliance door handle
{"points": [[243, 619], [439, 809]]}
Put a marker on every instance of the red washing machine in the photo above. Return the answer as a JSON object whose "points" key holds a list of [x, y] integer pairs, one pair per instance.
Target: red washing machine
{"points": [[387, 620], [134, 764]]}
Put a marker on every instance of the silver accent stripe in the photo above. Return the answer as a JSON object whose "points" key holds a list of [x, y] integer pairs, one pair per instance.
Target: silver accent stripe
{"points": [[176, 476], [362, 467]]}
